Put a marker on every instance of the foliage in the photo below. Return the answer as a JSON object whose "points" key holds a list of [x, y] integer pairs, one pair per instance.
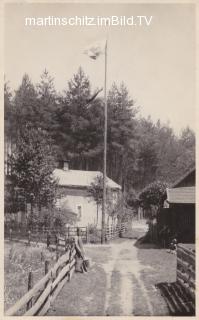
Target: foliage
{"points": [[25, 106], [153, 194], [139, 151], [132, 198], [47, 103], [96, 190], [121, 134], [79, 130], [19, 260], [94, 234], [32, 165], [64, 216], [8, 109]]}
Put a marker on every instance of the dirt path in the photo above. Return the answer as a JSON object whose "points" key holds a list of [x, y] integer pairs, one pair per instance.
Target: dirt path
{"points": [[121, 281], [125, 263]]}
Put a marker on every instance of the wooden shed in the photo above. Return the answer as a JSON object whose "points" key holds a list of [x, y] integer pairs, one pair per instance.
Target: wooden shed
{"points": [[179, 213]]}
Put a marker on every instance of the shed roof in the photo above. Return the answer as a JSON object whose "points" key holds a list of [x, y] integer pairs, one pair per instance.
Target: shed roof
{"points": [[181, 195], [183, 177], [80, 178]]}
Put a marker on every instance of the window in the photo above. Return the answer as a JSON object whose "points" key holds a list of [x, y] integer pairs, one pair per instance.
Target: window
{"points": [[79, 212]]}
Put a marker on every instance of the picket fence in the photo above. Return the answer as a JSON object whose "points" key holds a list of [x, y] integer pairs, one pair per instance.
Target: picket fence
{"points": [[113, 232]]}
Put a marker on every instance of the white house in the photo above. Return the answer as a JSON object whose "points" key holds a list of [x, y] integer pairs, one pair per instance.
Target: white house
{"points": [[74, 186]]}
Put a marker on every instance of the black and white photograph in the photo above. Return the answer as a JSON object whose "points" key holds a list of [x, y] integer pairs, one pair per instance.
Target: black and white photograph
{"points": [[99, 159]]}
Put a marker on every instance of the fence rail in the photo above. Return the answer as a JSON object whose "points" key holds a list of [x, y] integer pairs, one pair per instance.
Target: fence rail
{"points": [[44, 235], [46, 290], [54, 237], [186, 269]]}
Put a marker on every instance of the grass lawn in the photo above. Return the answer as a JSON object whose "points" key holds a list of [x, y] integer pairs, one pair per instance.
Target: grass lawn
{"points": [[85, 294], [158, 266], [18, 260]]}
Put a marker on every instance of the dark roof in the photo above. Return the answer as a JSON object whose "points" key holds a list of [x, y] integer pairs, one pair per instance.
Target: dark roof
{"points": [[181, 195], [183, 177]]}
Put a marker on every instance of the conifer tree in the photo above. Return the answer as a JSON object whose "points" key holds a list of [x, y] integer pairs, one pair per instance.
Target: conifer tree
{"points": [[32, 166]]}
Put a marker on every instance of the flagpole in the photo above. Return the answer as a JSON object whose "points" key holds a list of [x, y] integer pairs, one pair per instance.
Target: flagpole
{"points": [[105, 150]]}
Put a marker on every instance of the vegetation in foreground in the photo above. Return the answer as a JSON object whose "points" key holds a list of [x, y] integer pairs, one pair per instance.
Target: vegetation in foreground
{"points": [[19, 260]]}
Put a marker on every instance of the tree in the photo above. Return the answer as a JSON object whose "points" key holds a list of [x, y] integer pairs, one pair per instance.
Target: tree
{"points": [[154, 194], [79, 129], [147, 154], [32, 166], [47, 103], [186, 148], [121, 134], [96, 192], [8, 125], [8, 109], [25, 104]]}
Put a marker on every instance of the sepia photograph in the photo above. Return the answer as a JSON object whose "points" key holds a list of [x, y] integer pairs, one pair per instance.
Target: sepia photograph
{"points": [[99, 159]]}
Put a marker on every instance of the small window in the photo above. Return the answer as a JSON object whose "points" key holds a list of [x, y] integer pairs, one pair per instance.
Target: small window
{"points": [[79, 212]]}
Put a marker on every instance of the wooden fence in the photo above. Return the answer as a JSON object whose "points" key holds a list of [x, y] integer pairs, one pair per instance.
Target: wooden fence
{"points": [[44, 235], [186, 268], [113, 232], [54, 237], [38, 299]]}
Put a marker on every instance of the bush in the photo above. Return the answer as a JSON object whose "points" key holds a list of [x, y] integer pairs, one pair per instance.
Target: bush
{"points": [[153, 194], [94, 234]]}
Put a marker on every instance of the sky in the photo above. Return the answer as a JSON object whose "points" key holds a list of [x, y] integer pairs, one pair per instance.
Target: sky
{"points": [[156, 62]]}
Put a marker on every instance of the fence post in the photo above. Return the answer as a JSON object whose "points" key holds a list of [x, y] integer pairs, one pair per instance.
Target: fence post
{"points": [[68, 232], [30, 285], [10, 233], [48, 239], [46, 266], [69, 262], [65, 243], [47, 263], [56, 239], [29, 235], [86, 234]]}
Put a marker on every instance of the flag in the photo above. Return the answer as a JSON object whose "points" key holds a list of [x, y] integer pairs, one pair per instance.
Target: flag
{"points": [[96, 49]]}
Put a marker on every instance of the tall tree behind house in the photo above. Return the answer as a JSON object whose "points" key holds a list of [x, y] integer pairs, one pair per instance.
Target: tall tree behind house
{"points": [[9, 132], [80, 127], [139, 150], [121, 133], [25, 105], [47, 102]]}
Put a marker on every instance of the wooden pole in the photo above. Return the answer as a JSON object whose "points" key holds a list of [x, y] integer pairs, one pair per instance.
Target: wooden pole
{"points": [[29, 237], [10, 233], [65, 243], [105, 150], [68, 232], [48, 239], [86, 234], [46, 266], [30, 285]]}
